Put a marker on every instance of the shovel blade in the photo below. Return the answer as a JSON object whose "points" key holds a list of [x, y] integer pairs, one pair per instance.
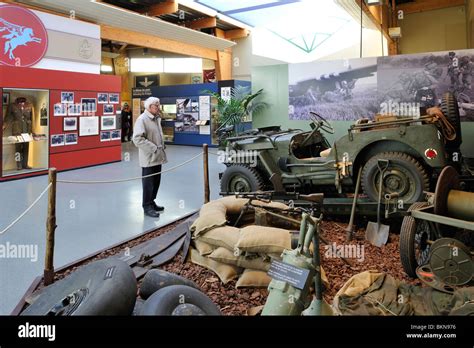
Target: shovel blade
{"points": [[377, 234]]}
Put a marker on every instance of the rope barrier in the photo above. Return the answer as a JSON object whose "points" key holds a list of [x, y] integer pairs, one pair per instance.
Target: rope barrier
{"points": [[130, 179], [26, 211]]}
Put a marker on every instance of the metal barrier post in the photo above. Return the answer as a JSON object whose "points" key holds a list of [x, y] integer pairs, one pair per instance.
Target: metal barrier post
{"points": [[50, 229], [205, 157]]}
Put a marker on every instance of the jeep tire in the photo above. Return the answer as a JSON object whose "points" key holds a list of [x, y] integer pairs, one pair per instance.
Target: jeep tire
{"points": [[450, 109], [241, 178], [404, 175]]}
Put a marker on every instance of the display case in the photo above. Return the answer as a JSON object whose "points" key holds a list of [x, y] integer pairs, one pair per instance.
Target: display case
{"points": [[56, 119], [169, 116], [25, 130]]}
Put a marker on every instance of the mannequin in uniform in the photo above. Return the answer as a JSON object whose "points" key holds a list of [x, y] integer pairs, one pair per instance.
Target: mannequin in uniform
{"points": [[20, 116], [44, 115]]}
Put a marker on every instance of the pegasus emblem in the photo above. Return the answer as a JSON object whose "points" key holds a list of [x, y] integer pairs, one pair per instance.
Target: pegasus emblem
{"points": [[18, 36]]}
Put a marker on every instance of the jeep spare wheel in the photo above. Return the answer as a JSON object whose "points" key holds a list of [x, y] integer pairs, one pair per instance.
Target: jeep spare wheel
{"points": [[450, 109]]}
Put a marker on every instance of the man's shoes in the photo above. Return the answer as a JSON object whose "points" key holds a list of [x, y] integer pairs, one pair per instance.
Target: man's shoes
{"points": [[158, 207], [151, 212]]}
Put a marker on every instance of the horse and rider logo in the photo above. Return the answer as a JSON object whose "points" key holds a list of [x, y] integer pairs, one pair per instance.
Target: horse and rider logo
{"points": [[24, 38]]}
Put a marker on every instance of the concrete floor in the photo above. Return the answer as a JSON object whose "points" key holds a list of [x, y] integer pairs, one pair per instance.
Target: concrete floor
{"points": [[93, 217]]}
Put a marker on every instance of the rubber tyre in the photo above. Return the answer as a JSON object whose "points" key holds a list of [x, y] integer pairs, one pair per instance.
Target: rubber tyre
{"points": [[187, 309], [407, 241], [166, 301], [104, 287], [241, 178], [157, 279], [398, 161], [450, 109]]}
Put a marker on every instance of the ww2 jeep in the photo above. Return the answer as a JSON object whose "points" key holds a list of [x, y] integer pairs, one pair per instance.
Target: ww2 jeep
{"points": [[416, 148]]}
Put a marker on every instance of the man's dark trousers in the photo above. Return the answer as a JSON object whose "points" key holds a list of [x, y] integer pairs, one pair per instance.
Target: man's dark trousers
{"points": [[150, 185]]}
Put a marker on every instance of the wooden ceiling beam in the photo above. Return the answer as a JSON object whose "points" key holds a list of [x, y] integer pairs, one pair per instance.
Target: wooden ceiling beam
{"points": [[236, 34], [156, 42], [202, 23], [163, 8], [219, 33], [428, 5], [373, 12]]}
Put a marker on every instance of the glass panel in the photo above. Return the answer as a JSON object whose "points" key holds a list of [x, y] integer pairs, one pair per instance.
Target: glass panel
{"points": [[25, 133]]}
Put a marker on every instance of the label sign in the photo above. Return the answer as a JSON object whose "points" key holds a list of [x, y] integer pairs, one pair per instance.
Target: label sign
{"points": [[293, 275], [24, 39], [141, 92]]}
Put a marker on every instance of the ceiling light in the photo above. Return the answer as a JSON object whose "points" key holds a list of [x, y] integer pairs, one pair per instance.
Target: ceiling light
{"points": [[183, 65], [374, 2], [106, 68], [146, 65]]}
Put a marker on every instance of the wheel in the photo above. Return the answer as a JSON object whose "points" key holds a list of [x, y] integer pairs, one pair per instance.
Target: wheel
{"points": [[156, 279], [404, 175], [104, 287], [167, 300], [450, 109], [414, 237], [241, 178]]}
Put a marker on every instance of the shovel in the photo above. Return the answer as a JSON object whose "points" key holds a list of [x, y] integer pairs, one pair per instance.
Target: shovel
{"points": [[376, 233]]}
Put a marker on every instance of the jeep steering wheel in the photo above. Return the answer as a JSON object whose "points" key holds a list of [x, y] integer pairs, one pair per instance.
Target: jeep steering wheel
{"points": [[321, 122]]}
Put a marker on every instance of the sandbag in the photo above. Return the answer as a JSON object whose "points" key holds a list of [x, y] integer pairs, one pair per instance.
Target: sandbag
{"points": [[226, 256], [203, 248], [226, 237], [265, 240], [253, 279], [225, 272], [234, 205], [211, 215]]}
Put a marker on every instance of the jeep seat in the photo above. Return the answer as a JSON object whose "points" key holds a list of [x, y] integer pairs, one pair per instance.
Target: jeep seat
{"points": [[325, 153]]}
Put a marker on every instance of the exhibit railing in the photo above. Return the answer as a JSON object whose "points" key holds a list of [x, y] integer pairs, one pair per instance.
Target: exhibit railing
{"points": [[51, 215]]}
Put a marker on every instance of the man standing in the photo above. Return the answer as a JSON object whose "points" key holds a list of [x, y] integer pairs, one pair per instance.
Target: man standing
{"points": [[148, 137], [126, 123]]}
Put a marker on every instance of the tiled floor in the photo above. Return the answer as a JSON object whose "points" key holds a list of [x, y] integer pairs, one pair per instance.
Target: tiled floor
{"points": [[92, 217]]}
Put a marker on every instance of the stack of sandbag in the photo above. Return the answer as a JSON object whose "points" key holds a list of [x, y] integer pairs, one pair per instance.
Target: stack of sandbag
{"points": [[233, 252]]}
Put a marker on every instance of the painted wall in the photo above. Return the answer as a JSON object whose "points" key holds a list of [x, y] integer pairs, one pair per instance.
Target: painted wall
{"points": [[470, 22], [274, 81], [430, 31]]}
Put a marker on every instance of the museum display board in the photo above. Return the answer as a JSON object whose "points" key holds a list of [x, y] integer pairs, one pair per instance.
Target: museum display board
{"points": [[57, 119], [190, 113]]}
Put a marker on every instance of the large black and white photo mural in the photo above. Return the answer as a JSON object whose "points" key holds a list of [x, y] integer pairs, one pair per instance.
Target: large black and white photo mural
{"points": [[414, 81], [347, 90], [337, 90]]}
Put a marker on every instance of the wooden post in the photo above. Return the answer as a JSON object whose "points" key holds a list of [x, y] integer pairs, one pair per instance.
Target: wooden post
{"points": [[50, 229], [205, 158]]}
